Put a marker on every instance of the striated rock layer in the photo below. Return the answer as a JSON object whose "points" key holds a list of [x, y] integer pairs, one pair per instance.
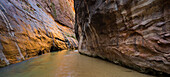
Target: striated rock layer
{"points": [[133, 33], [33, 27]]}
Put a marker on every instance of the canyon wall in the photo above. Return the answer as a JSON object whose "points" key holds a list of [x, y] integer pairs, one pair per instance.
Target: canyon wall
{"points": [[33, 27], [132, 33]]}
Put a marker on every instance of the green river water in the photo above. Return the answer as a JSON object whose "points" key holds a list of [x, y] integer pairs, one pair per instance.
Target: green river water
{"points": [[67, 64]]}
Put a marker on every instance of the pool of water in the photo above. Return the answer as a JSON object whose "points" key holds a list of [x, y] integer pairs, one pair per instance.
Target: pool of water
{"points": [[67, 64]]}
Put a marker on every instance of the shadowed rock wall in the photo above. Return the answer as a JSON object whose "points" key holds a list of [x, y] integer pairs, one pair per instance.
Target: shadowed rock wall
{"points": [[133, 33], [33, 27]]}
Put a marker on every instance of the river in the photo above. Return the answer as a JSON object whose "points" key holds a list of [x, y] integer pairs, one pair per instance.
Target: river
{"points": [[67, 63]]}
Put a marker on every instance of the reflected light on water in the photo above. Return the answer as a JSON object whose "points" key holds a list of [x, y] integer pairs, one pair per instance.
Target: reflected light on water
{"points": [[67, 64]]}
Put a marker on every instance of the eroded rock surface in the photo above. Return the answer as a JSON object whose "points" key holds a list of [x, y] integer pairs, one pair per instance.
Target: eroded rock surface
{"points": [[33, 27], [133, 33], [61, 10]]}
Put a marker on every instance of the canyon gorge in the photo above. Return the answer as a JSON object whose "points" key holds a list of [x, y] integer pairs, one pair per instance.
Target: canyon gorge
{"points": [[131, 33]]}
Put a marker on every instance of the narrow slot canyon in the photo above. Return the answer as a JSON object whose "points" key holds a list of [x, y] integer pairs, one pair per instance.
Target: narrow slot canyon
{"points": [[84, 38]]}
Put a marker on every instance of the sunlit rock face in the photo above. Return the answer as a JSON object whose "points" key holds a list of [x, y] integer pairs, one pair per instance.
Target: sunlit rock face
{"points": [[133, 33], [61, 10], [33, 27]]}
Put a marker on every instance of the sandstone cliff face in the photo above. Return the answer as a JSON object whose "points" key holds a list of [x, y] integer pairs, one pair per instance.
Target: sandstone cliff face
{"points": [[33, 27], [133, 33], [61, 10]]}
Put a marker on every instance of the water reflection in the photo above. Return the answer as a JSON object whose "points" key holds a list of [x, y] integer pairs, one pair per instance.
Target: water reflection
{"points": [[67, 64]]}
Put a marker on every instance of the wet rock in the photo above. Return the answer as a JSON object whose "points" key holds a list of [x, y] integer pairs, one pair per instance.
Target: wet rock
{"points": [[133, 33], [29, 28]]}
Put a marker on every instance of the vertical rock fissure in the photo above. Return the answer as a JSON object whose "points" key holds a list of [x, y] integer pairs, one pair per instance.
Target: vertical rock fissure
{"points": [[10, 31], [2, 56]]}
